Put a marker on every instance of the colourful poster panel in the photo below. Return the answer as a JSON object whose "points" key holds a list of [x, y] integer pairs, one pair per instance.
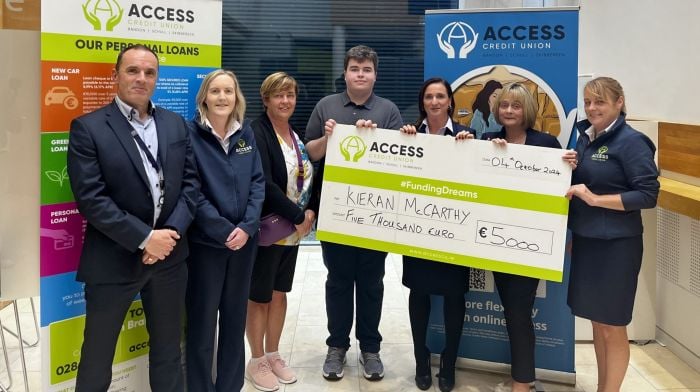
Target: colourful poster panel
{"points": [[479, 52], [80, 41]]}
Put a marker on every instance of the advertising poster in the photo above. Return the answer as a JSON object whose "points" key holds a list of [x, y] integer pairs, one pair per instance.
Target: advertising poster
{"points": [[80, 40], [478, 52]]}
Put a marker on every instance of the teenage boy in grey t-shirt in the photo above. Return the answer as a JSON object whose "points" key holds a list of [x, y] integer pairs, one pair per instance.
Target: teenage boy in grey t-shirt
{"points": [[352, 270]]}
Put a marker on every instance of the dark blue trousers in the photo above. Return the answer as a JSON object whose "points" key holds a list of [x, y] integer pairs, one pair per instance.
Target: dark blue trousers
{"points": [[162, 296], [353, 273], [219, 283], [518, 297]]}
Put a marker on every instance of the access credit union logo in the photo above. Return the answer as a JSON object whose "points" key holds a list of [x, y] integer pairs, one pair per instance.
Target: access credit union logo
{"points": [[353, 148], [98, 12], [457, 38]]}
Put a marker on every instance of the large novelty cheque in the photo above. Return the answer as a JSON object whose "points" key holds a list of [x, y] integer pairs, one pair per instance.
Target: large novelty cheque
{"points": [[466, 202]]}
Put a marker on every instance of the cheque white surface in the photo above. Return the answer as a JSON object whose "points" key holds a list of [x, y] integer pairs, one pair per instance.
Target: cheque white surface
{"points": [[463, 202]]}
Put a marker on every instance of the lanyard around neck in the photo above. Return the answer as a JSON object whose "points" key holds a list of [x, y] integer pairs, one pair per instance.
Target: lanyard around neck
{"points": [[300, 162], [155, 163]]}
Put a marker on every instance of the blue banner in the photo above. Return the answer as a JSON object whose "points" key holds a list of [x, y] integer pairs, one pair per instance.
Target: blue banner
{"points": [[479, 52]]}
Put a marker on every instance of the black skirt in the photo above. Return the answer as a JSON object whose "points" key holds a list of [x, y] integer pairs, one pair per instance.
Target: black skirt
{"points": [[434, 277], [603, 278]]}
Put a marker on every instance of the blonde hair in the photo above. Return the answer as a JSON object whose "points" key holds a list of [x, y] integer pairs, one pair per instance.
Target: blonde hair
{"points": [[516, 92], [239, 108], [606, 88], [277, 82]]}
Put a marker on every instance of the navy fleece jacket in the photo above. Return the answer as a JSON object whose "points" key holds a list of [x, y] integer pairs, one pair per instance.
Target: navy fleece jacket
{"points": [[620, 161], [233, 185]]}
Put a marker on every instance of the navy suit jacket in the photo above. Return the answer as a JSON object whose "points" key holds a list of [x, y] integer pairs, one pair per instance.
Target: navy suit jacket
{"points": [[453, 132], [532, 138], [109, 182]]}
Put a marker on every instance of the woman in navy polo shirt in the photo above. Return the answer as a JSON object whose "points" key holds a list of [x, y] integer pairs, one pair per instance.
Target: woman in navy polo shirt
{"points": [[615, 179]]}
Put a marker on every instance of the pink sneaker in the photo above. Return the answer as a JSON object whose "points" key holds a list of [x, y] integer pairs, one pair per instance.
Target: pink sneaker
{"points": [[284, 373], [260, 374]]}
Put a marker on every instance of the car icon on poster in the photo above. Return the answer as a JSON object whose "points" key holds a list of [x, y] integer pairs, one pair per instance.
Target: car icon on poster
{"points": [[61, 96]]}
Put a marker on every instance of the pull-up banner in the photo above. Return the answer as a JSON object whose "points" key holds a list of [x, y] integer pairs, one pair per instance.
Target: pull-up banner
{"points": [[80, 41], [479, 52]]}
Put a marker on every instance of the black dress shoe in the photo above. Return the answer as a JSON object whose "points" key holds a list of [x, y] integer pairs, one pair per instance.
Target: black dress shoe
{"points": [[424, 382], [446, 377], [423, 378], [446, 384]]}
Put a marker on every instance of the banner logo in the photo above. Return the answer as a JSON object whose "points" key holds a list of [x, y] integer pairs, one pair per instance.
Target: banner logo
{"points": [[353, 148], [455, 34], [97, 11]]}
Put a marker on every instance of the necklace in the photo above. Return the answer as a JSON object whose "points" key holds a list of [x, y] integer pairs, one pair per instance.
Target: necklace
{"points": [[517, 140]]}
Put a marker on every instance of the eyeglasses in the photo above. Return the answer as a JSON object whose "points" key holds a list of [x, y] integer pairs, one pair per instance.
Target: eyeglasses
{"points": [[505, 105]]}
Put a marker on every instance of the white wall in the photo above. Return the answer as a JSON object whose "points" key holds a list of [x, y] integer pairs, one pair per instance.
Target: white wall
{"points": [[652, 48], [19, 163]]}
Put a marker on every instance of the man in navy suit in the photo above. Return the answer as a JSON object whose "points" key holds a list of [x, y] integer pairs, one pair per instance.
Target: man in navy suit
{"points": [[134, 178]]}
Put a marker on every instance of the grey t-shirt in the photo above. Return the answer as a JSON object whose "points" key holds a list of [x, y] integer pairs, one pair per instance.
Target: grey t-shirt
{"points": [[340, 108]]}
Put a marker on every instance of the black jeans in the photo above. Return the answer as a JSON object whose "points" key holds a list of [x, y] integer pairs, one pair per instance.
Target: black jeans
{"points": [[518, 296], [353, 272]]}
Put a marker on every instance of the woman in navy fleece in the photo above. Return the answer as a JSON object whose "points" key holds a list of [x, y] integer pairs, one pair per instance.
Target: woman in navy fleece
{"points": [[223, 238], [615, 179]]}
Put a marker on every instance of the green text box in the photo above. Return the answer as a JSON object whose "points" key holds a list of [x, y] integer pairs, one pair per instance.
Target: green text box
{"points": [[486, 195], [55, 185], [66, 47]]}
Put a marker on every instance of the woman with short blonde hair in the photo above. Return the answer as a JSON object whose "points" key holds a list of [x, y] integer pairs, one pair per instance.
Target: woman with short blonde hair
{"points": [[616, 179], [516, 110], [291, 195]]}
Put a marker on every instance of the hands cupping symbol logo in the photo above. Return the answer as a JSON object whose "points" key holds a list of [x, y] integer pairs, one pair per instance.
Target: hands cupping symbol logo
{"points": [[455, 34], [353, 148], [98, 11]]}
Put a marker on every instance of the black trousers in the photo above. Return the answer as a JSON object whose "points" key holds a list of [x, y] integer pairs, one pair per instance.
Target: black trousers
{"points": [[162, 296], [219, 284], [518, 297], [353, 273], [419, 314]]}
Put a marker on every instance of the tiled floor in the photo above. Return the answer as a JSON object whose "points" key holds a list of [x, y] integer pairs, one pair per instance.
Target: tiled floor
{"points": [[652, 367]]}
